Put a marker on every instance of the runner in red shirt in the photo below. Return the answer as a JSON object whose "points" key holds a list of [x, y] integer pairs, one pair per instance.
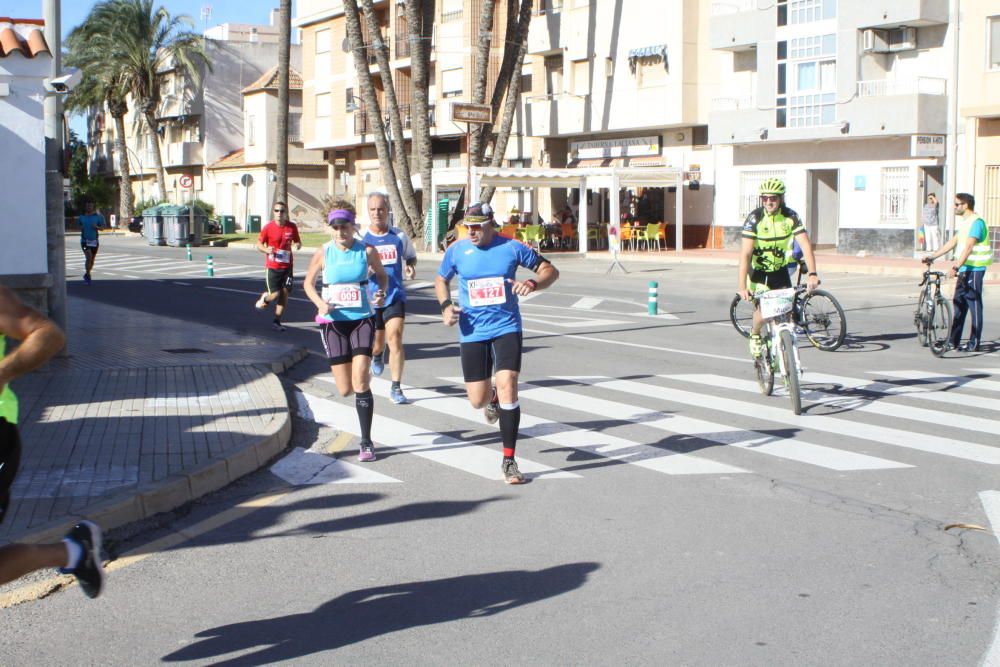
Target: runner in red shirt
{"points": [[275, 240]]}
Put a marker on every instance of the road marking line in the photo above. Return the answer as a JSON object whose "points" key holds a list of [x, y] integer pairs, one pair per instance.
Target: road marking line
{"points": [[894, 410], [930, 378], [924, 393], [587, 302], [991, 504], [301, 467], [793, 449], [475, 459]]}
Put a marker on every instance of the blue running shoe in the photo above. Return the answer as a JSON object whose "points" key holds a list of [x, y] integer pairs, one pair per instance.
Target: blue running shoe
{"points": [[396, 394], [377, 365]]}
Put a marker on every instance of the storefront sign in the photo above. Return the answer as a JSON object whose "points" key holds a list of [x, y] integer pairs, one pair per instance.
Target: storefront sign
{"points": [[927, 145], [624, 147], [466, 112]]}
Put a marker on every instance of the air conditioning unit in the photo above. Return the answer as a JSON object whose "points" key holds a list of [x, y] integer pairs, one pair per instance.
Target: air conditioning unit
{"points": [[903, 39], [875, 41]]}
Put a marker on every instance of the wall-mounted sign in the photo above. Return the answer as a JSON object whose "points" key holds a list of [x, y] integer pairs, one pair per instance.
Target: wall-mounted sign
{"points": [[927, 145], [860, 182], [623, 147], [466, 112]]}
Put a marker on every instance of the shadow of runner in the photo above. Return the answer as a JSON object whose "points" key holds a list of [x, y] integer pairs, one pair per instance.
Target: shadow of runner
{"points": [[380, 610]]}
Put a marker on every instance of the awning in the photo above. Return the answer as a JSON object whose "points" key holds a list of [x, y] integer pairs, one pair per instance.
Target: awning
{"points": [[656, 51], [596, 162]]}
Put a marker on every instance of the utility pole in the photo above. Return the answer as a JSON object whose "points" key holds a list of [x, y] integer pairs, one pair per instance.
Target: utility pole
{"points": [[55, 221]]}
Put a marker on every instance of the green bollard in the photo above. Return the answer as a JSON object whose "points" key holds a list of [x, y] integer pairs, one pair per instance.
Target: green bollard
{"points": [[211, 266], [651, 308], [189, 251]]}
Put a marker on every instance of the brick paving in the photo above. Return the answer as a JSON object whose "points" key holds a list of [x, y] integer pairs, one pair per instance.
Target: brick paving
{"points": [[145, 413]]}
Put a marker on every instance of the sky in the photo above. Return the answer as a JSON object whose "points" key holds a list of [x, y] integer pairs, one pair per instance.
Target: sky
{"points": [[222, 11]]}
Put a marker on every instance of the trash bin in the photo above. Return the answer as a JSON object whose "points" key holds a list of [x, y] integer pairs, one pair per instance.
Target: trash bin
{"points": [[253, 224], [228, 223], [177, 222], [442, 222], [152, 226]]}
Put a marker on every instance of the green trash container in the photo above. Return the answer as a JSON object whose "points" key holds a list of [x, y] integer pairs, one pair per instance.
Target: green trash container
{"points": [[228, 223], [253, 224], [441, 211]]}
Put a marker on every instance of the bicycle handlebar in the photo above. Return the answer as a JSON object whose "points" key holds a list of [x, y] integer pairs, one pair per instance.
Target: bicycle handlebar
{"points": [[928, 274]]}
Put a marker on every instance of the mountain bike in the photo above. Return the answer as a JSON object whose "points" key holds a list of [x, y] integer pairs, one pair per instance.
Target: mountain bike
{"points": [[933, 314], [818, 313], [780, 353]]}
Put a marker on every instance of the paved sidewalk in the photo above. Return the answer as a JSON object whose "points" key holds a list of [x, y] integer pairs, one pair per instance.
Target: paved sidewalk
{"points": [[146, 413]]}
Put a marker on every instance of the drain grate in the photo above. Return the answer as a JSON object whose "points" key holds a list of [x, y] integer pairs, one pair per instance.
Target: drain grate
{"points": [[187, 350]]}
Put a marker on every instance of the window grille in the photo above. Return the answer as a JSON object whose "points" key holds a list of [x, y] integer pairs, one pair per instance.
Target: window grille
{"points": [[750, 188], [895, 194]]}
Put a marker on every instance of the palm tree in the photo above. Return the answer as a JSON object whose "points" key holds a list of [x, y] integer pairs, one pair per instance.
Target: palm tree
{"points": [[142, 42], [101, 87], [284, 56]]}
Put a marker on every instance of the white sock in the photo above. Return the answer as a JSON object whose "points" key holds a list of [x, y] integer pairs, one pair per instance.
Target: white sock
{"points": [[74, 552]]}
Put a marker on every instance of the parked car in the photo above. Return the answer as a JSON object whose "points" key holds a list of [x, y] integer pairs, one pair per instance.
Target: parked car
{"points": [[136, 224]]}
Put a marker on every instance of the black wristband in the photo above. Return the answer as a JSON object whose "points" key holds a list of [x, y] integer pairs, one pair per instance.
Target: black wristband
{"points": [[813, 273], [445, 304], [533, 283]]}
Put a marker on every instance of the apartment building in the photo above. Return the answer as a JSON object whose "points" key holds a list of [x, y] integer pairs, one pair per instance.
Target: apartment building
{"points": [[200, 123], [848, 102], [334, 118], [978, 159], [615, 84]]}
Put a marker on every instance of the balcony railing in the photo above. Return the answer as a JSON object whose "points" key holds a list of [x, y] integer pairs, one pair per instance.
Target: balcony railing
{"points": [[734, 103], [361, 125], [402, 47], [920, 86], [733, 7]]}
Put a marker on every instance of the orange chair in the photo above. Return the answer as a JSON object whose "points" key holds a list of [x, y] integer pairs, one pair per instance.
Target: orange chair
{"points": [[567, 235], [626, 236], [510, 231]]}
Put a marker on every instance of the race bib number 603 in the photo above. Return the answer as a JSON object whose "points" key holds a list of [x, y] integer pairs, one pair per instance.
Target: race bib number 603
{"points": [[487, 291]]}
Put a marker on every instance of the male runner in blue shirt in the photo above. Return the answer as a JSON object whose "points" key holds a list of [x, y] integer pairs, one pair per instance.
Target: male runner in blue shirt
{"points": [[89, 223]]}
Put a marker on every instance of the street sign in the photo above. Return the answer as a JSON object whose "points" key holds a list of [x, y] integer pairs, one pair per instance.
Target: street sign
{"points": [[186, 181], [466, 112]]}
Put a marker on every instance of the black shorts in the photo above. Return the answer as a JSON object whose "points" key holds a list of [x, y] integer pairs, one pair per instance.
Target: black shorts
{"points": [[481, 358], [84, 247], [277, 279], [780, 279], [10, 458], [345, 340], [383, 315]]}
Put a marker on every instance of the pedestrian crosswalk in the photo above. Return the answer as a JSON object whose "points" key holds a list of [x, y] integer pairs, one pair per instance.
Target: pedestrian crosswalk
{"points": [[115, 264], [689, 425]]}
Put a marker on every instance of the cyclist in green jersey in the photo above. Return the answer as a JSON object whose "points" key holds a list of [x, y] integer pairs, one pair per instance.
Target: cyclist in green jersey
{"points": [[768, 236]]}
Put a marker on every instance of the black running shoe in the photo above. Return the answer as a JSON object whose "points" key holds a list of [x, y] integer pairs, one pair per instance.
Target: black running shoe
{"points": [[511, 474], [492, 409], [89, 572]]}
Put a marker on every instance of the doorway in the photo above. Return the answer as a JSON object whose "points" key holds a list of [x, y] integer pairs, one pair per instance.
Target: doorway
{"points": [[823, 204]]}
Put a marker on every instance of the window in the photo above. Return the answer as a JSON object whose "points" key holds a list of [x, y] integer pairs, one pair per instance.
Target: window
{"points": [[807, 82], [581, 77], [350, 100], [750, 189], [322, 105], [251, 130], [295, 127], [994, 42], [323, 41], [451, 82], [553, 75], [807, 11], [991, 201], [895, 194]]}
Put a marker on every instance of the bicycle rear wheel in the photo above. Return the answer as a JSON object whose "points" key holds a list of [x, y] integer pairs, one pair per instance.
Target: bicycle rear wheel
{"points": [[741, 315], [920, 319], [823, 320], [791, 371], [939, 326]]}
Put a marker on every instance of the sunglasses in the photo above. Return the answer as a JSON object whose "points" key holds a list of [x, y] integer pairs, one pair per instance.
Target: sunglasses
{"points": [[279, 210], [770, 197]]}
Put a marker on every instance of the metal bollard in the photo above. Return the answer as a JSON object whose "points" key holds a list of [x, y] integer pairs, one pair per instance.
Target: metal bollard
{"points": [[211, 266], [651, 307], [189, 251]]}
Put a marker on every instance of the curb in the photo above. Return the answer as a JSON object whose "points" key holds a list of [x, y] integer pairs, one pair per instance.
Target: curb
{"points": [[179, 489]]}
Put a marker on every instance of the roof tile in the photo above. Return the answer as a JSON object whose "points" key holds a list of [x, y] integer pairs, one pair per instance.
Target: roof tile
{"points": [[22, 36]]}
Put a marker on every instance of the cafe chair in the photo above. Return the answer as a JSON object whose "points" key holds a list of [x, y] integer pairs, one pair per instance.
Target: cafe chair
{"points": [[533, 236], [567, 236]]}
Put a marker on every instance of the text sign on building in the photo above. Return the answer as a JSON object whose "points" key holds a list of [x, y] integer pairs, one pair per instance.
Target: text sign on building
{"points": [[623, 147], [927, 145], [466, 112]]}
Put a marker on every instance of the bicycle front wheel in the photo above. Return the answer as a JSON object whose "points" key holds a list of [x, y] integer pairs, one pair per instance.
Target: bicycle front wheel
{"points": [[791, 371], [920, 319], [764, 368], [939, 326], [741, 315], [823, 320]]}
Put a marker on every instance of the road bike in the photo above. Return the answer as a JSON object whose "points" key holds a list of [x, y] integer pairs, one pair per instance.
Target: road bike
{"points": [[933, 314], [780, 354], [818, 313]]}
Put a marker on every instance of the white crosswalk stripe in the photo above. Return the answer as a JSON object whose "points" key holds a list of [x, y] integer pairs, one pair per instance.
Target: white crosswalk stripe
{"points": [[963, 381], [911, 391]]}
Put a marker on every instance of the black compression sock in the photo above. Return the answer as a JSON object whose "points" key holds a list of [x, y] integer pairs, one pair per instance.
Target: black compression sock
{"points": [[365, 405]]}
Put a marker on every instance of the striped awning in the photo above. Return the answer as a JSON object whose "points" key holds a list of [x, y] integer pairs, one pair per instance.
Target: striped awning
{"points": [[655, 51]]}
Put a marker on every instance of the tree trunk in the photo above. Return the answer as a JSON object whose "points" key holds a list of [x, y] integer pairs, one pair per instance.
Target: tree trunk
{"points": [[355, 40], [401, 164], [121, 159], [483, 42], [161, 175], [284, 54], [420, 26], [513, 93]]}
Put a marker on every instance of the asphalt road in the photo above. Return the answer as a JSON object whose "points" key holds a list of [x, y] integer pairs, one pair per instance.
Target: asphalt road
{"points": [[673, 515]]}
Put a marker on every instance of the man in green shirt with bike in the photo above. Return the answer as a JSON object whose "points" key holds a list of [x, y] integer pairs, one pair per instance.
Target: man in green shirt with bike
{"points": [[768, 236]]}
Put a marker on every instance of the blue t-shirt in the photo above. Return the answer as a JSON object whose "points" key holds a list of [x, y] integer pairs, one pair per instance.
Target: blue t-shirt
{"points": [[489, 308], [345, 276], [978, 231], [393, 248], [89, 224]]}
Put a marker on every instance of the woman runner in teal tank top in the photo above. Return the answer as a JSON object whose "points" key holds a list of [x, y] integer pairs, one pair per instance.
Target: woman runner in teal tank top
{"points": [[345, 314]]}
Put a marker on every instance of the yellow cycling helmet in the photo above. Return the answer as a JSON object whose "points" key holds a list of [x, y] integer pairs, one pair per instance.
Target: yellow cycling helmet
{"points": [[772, 186]]}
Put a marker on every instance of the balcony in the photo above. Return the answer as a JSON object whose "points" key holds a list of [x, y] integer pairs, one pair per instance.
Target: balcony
{"points": [[402, 46], [182, 154], [738, 25], [894, 14], [889, 106], [544, 34], [555, 115]]}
